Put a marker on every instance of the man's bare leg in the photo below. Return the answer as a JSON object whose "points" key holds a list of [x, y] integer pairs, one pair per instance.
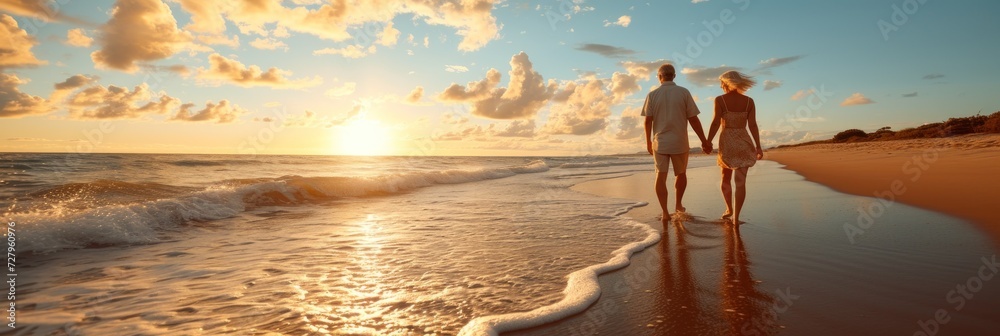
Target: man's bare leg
{"points": [[680, 185], [661, 194]]}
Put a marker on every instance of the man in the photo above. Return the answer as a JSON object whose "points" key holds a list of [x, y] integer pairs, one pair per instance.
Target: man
{"points": [[668, 111]]}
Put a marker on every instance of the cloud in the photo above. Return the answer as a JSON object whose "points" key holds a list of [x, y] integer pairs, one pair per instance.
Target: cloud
{"points": [[623, 21], [771, 85], [606, 50], [471, 91], [36, 8], [517, 128], [139, 31], [220, 39], [643, 70], [351, 51], [455, 68], [389, 36], [776, 62], [584, 109], [311, 119], [909, 95], [460, 134], [472, 20], [802, 94], [232, 71], [514, 129], [268, 44], [808, 119], [14, 103], [771, 138], [114, 102], [630, 126], [856, 99], [415, 96], [344, 90], [623, 85], [74, 82], [223, 112], [702, 76], [934, 76], [526, 93], [453, 119], [16, 50], [75, 37]]}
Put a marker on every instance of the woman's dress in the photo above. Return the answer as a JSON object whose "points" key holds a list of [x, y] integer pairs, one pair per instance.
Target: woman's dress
{"points": [[736, 148]]}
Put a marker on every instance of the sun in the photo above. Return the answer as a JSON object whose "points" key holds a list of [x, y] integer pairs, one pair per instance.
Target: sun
{"points": [[364, 137]]}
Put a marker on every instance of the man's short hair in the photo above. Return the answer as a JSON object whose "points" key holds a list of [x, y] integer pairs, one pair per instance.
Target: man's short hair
{"points": [[667, 71]]}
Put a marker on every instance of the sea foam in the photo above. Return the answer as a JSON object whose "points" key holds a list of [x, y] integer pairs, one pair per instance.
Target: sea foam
{"points": [[582, 289]]}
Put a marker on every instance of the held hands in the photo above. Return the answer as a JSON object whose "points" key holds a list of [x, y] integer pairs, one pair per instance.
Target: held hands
{"points": [[706, 147], [649, 148], [760, 153]]}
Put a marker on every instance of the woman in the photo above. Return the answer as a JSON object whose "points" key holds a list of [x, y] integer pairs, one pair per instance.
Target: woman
{"points": [[734, 111]]}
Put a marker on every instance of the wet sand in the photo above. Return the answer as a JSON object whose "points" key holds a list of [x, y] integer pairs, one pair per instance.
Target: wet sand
{"points": [[792, 268], [955, 175]]}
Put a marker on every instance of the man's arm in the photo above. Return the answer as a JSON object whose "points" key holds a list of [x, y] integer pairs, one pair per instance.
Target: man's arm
{"points": [[696, 125], [649, 133]]}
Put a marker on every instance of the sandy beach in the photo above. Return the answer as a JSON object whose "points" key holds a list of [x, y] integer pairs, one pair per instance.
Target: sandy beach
{"points": [[952, 175], [792, 269]]}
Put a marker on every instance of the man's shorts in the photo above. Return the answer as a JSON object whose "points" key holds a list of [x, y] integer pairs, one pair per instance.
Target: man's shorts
{"points": [[680, 162]]}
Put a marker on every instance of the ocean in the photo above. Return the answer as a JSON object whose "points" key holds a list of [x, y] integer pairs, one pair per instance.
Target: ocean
{"points": [[211, 244]]}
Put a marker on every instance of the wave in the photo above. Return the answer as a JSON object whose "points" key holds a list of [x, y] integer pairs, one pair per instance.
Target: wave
{"points": [[65, 227], [196, 163], [600, 164], [582, 290]]}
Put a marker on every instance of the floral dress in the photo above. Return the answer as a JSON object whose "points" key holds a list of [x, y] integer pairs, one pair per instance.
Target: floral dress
{"points": [[736, 148]]}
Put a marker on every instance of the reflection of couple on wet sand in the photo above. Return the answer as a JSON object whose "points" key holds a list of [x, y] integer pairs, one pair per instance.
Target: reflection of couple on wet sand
{"points": [[668, 111], [740, 308]]}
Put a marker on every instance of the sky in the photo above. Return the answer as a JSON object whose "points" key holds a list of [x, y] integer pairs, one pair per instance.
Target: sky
{"points": [[471, 77]]}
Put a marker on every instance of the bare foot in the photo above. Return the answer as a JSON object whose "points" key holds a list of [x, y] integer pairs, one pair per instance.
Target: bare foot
{"points": [[681, 208], [727, 215]]}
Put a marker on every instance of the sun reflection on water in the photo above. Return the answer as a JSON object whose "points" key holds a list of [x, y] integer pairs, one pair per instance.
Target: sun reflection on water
{"points": [[360, 308]]}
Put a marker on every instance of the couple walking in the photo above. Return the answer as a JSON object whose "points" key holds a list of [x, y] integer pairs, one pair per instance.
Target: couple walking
{"points": [[668, 111]]}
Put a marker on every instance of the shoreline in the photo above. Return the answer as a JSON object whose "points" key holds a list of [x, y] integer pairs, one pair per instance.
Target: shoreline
{"points": [[791, 270], [948, 175]]}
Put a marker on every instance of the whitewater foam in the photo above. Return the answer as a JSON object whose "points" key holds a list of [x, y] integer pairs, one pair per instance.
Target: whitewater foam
{"points": [[582, 289]]}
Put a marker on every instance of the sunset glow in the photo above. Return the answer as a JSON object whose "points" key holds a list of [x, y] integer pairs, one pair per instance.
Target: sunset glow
{"points": [[491, 78], [364, 138]]}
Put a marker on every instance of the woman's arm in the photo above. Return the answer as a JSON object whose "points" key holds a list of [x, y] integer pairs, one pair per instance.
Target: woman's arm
{"points": [[716, 119], [754, 130]]}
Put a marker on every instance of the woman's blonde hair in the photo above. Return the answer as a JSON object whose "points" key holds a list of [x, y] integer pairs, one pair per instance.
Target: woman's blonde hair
{"points": [[736, 81]]}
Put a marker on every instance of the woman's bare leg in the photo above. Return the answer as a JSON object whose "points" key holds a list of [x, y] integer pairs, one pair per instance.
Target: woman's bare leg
{"points": [[741, 192], [727, 190]]}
